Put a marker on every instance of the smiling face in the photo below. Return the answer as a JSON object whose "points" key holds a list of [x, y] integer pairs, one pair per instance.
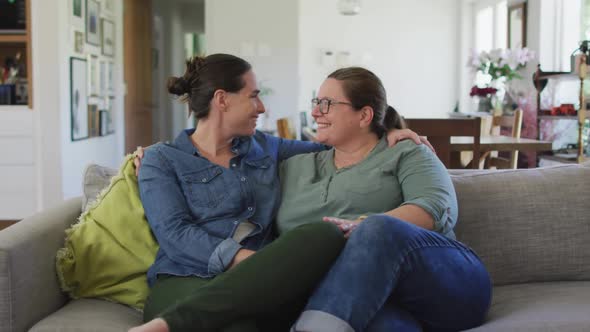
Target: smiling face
{"points": [[342, 123], [243, 108]]}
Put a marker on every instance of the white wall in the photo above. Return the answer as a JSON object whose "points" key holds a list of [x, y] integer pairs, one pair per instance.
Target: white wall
{"points": [[413, 46], [265, 33], [49, 167], [177, 18], [18, 171], [107, 150]]}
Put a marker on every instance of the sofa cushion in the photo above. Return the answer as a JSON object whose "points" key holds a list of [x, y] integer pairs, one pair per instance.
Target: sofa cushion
{"points": [[90, 315], [95, 179], [107, 253], [528, 224], [540, 307]]}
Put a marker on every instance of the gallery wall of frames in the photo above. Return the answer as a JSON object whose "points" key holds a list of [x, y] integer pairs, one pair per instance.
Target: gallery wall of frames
{"points": [[92, 67]]}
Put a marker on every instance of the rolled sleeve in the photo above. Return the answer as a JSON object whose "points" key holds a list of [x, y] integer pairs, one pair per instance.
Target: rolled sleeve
{"points": [[426, 183], [223, 255]]}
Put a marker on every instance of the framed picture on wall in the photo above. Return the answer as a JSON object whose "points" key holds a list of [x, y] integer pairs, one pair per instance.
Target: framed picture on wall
{"points": [[93, 121], [77, 8], [110, 79], [78, 42], [93, 84], [108, 7], [517, 25], [78, 99], [108, 37], [109, 120], [102, 79], [92, 22], [104, 122]]}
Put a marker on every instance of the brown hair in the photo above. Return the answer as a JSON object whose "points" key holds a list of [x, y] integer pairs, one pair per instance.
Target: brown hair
{"points": [[205, 75], [363, 88]]}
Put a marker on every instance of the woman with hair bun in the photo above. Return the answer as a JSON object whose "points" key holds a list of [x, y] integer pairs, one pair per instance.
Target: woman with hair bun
{"points": [[211, 198]]}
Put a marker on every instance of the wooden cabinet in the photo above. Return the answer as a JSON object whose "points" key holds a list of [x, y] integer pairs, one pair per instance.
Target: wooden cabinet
{"points": [[11, 44], [541, 79]]}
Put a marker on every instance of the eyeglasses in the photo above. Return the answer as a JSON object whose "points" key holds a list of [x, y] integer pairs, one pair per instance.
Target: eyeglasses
{"points": [[324, 104]]}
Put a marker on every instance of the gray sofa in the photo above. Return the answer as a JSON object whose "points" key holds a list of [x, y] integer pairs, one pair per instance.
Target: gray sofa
{"points": [[530, 227]]}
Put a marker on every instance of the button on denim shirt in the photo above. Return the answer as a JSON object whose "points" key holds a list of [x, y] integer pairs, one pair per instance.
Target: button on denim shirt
{"points": [[194, 206]]}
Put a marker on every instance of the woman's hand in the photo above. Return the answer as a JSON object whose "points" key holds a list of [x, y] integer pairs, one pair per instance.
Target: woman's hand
{"points": [[396, 135], [137, 160], [240, 256], [345, 225]]}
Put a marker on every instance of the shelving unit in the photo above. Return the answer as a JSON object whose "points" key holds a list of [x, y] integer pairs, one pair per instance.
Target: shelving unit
{"points": [[13, 38], [11, 42], [541, 79]]}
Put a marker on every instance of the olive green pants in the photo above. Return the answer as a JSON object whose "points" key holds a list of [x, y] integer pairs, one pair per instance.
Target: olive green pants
{"points": [[266, 292]]}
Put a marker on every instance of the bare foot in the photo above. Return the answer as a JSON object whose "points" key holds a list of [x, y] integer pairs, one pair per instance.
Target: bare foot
{"points": [[155, 325]]}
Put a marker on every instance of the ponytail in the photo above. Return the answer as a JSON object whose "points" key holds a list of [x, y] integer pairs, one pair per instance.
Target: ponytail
{"points": [[393, 120]]}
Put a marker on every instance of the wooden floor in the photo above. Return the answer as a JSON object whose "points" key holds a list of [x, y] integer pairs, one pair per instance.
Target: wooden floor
{"points": [[6, 223]]}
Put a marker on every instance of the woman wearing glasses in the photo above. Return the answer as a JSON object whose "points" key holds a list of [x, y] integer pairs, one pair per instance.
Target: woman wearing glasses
{"points": [[401, 269], [211, 198]]}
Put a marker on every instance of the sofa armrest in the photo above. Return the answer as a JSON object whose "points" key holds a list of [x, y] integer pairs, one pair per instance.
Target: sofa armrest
{"points": [[29, 289]]}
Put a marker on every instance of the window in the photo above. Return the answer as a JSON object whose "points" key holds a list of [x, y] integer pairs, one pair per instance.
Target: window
{"points": [[490, 25]]}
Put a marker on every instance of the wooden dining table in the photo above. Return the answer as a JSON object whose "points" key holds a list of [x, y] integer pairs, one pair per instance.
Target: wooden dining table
{"points": [[492, 143], [487, 143], [500, 143]]}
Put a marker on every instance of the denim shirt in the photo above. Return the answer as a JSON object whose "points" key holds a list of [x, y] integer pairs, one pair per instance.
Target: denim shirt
{"points": [[194, 206]]}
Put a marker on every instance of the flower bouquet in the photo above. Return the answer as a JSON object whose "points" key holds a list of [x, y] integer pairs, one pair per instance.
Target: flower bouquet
{"points": [[496, 68]]}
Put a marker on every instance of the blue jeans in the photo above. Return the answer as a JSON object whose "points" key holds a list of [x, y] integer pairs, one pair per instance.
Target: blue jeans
{"points": [[395, 276]]}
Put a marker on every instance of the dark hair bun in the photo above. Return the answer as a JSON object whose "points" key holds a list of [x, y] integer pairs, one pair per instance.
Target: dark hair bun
{"points": [[195, 64], [178, 86], [203, 76]]}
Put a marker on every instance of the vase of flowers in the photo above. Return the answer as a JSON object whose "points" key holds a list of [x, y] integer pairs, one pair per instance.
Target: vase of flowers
{"points": [[494, 69], [485, 97]]}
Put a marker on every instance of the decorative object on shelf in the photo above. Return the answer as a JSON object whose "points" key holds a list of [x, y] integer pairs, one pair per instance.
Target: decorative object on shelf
{"points": [[78, 99], [496, 68], [564, 109], [92, 23], [540, 79], [21, 91], [7, 94], [13, 17], [578, 54], [517, 25], [108, 37], [349, 7], [13, 79]]}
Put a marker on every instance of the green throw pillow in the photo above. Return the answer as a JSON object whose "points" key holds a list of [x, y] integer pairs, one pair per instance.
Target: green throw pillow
{"points": [[108, 252]]}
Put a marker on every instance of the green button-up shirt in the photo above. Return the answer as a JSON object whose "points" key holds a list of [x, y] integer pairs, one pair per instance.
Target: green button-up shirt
{"points": [[387, 178]]}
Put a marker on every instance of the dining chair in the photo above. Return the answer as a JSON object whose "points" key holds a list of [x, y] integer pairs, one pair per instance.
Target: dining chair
{"points": [[285, 128], [513, 123], [440, 131]]}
